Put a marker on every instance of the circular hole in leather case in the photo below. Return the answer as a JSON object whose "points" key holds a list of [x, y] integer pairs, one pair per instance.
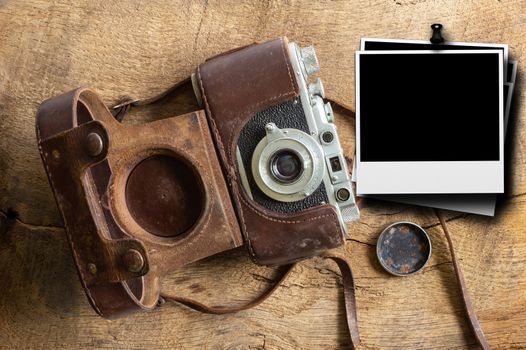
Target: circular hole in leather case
{"points": [[164, 195]]}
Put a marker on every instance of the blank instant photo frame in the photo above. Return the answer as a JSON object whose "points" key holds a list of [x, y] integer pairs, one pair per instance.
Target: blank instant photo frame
{"points": [[429, 121], [481, 204]]}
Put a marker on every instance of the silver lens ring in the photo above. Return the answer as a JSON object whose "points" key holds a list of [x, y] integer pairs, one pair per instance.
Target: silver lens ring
{"points": [[304, 149]]}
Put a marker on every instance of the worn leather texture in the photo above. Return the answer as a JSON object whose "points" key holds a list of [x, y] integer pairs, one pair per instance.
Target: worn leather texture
{"points": [[137, 201], [235, 87]]}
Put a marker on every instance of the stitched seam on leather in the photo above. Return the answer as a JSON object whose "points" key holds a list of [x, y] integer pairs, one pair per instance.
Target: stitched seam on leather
{"points": [[214, 126], [75, 254], [285, 221], [254, 107], [226, 155], [223, 154], [249, 242], [251, 249], [212, 198], [287, 63]]}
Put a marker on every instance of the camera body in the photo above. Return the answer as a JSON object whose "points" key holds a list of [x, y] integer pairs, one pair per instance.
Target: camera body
{"points": [[279, 150], [289, 156]]}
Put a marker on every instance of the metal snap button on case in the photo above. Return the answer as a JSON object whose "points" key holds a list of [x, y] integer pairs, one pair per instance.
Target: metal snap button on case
{"points": [[403, 248]]}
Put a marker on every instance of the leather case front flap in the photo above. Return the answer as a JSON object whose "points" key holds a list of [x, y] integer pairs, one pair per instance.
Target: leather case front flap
{"points": [[118, 188], [236, 86]]}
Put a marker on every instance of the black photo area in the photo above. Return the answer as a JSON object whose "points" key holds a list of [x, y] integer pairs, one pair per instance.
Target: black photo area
{"points": [[429, 107]]}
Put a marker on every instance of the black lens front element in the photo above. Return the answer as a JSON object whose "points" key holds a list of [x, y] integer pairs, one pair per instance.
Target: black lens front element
{"points": [[286, 166]]}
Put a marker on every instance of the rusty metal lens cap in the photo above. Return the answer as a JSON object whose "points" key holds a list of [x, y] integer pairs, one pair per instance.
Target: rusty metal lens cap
{"points": [[403, 248]]}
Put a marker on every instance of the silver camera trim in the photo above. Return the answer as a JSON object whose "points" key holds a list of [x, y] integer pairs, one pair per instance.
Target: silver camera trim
{"points": [[320, 119], [305, 147]]}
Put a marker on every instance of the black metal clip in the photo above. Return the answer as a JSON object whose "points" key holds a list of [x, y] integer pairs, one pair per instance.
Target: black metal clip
{"points": [[437, 38]]}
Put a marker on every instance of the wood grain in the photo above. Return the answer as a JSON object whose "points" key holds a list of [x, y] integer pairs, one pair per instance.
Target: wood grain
{"points": [[140, 48]]}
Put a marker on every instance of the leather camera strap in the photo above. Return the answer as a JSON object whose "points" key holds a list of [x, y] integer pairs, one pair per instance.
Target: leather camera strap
{"points": [[125, 103], [221, 310], [348, 292], [468, 306]]}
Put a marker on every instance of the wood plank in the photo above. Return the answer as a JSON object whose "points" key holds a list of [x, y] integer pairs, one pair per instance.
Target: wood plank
{"points": [[140, 48]]}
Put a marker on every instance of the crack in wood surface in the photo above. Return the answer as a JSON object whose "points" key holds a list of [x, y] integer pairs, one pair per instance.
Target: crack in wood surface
{"points": [[31, 226], [433, 267], [261, 278], [361, 242], [513, 196], [453, 218], [201, 20], [395, 212]]}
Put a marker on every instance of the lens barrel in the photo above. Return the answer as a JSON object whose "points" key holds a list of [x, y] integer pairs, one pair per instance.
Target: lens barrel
{"points": [[286, 166]]}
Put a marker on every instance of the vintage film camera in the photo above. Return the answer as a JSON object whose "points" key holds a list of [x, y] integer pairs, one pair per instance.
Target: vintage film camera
{"points": [[261, 166], [289, 156]]}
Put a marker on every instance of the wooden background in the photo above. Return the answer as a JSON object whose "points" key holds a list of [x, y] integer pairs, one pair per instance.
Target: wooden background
{"points": [[140, 48]]}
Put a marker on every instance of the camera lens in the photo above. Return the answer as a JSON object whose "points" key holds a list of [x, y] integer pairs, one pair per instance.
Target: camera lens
{"points": [[286, 166]]}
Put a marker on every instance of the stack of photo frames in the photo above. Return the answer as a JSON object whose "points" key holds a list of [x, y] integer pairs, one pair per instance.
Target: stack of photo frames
{"points": [[431, 122]]}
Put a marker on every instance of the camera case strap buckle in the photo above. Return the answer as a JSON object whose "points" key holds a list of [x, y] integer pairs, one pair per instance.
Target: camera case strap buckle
{"points": [[67, 156]]}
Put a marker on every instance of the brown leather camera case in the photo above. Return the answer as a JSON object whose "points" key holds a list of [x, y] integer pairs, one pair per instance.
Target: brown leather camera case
{"points": [[235, 86], [140, 200], [136, 201]]}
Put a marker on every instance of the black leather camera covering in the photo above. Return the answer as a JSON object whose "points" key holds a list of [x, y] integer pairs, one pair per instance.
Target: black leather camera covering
{"points": [[286, 115]]}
